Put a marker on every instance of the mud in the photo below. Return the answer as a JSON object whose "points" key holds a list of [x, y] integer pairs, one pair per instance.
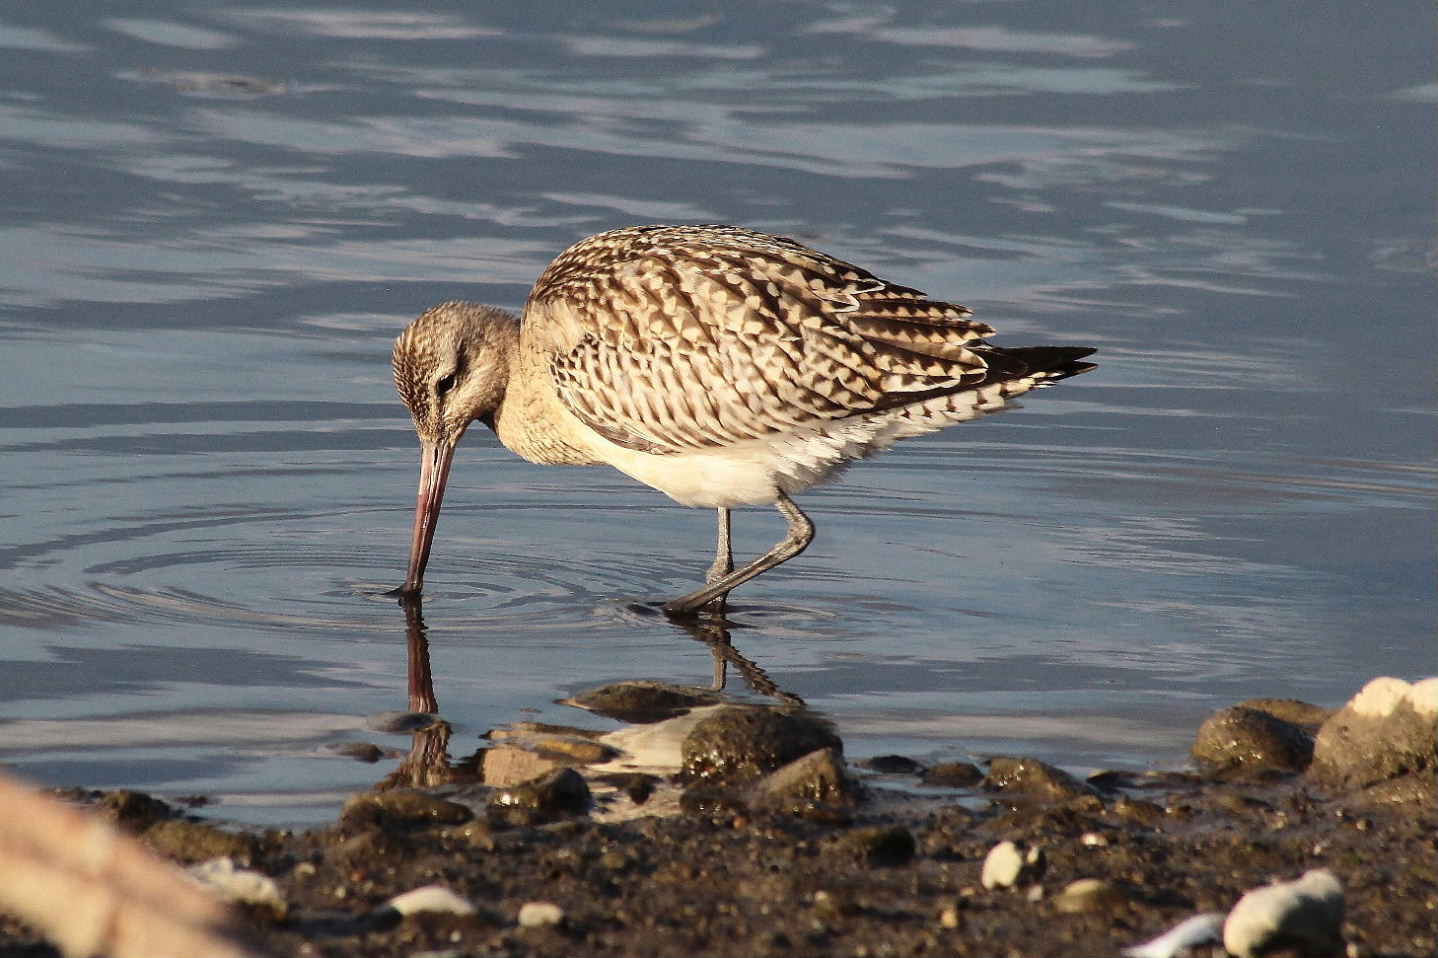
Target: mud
{"points": [[898, 875]]}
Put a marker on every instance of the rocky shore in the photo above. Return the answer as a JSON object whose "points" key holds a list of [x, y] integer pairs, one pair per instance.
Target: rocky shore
{"points": [[713, 828]]}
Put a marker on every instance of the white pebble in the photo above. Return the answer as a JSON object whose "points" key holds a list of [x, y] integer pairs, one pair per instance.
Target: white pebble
{"points": [[540, 914], [222, 877], [431, 898], [1184, 936], [1002, 866], [1308, 912]]}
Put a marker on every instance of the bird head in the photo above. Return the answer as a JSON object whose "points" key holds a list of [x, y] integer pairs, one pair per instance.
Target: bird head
{"points": [[451, 367]]}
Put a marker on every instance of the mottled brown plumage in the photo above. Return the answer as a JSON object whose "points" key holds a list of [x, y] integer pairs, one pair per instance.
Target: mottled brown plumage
{"points": [[720, 365]]}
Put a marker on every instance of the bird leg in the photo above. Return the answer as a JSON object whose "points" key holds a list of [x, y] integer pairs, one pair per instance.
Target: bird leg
{"points": [[801, 533], [724, 556], [723, 565]]}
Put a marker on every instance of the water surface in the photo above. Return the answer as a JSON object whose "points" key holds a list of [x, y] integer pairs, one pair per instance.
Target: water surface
{"points": [[217, 217]]}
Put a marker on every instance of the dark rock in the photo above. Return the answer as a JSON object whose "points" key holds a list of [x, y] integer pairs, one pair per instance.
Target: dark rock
{"points": [[366, 752], [193, 842], [817, 777], [643, 702], [1248, 740], [1030, 777], [878, 846], [1303, 714], [551, 797], [952, 775], [402, 808], [744, 742], [134, 811], [893, 765]]}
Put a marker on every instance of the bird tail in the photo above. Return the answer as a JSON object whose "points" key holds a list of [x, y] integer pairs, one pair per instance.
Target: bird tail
{"points": [[1047, 364]]}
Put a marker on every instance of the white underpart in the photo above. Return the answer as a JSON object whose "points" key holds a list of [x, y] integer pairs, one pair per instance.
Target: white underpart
{"points": [[750, 473]]}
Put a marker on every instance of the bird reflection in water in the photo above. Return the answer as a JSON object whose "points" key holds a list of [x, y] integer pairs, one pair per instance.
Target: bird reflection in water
{"points": [[428, 763]]}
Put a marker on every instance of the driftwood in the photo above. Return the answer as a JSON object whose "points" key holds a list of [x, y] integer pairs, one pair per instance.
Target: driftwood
{"points": [[92, 890]]}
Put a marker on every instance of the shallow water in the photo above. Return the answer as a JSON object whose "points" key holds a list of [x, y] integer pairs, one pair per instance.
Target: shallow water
{"points": [[216, 218]]}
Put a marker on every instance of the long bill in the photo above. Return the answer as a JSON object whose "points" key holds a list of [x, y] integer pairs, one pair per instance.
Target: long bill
{"points": [[435, 458]]}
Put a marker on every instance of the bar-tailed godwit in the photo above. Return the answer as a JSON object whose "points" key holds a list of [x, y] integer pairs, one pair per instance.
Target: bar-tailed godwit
{"points": [[721, 366]]}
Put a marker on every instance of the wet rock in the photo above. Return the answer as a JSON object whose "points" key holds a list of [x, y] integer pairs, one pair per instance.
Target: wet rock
{"points": [[952, 775], [1091, 896], [551, 797], [573, 750], [1029, 776], [742, 742], [817, 777], [1388, 730], [561, 744], [540, 914], [1302, 917], [402, 808], [193, 842], [507, 765], [366, 752], [643, 702], [1006, 865], [1248, 740], [431, 899], [878, 846], [232, 883], [1182, 938], [134, 811], [892, 765], [1303, 714]]}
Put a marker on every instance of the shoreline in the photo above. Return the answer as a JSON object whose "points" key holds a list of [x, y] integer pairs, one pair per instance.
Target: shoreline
{"points": [[769, 843]]}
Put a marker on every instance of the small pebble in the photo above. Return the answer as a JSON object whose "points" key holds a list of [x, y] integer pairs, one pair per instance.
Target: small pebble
{"points": [[1090, 895], [951, 917], [435, 899], [540, 914], [1002, 866]]}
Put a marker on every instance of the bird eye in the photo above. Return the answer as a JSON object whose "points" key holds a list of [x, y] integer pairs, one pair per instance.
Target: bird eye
{"points": [[444, 385]]}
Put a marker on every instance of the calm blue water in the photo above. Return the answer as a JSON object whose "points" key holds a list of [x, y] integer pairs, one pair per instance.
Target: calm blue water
{"points": [[214, 218]]}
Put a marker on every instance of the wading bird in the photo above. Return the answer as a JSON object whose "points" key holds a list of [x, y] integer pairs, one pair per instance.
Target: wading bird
{"points": [[722, 366]]}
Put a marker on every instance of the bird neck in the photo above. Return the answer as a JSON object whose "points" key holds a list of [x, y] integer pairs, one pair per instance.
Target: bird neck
{"points": [[530, 419]]}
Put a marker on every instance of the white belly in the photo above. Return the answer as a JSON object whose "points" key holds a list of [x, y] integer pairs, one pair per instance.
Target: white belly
{"points": [[750, 473]]}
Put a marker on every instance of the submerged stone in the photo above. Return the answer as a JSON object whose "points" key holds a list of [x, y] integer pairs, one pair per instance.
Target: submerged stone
{"points": [[643, 702]]}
